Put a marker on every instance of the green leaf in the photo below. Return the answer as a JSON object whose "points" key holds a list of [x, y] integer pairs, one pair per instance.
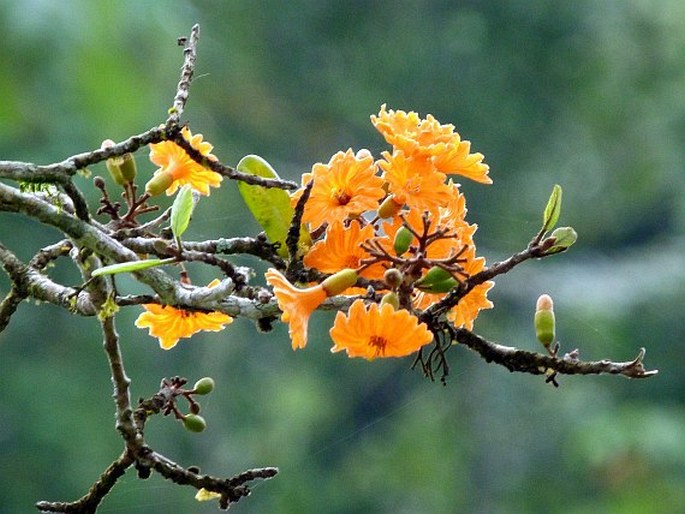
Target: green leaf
{"points": [[123, 267], [269, 206], [552, 210], [181, 211]]}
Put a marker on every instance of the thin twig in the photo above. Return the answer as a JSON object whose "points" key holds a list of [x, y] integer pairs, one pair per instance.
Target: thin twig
{"points": [[523, 361]]}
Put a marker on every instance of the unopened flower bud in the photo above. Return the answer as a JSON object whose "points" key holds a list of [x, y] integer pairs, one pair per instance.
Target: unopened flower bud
{"points": [[336, 284], [159, 183], [128, 167], [98, 182], [363, 153], [204, 386], [113, 163], [544, 320], [194, 423]]}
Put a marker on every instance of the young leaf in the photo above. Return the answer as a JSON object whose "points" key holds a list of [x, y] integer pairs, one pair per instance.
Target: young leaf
{"points": [[181, 211], [564, 238], [552, 210], [123, 267], [269, 206]]}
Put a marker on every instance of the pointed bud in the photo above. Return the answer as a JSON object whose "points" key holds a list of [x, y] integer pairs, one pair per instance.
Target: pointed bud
{"points": [[194, 423], [403, 238], [204, 386], [436, 280], [336, 284], [544, 320], [159, 183]]}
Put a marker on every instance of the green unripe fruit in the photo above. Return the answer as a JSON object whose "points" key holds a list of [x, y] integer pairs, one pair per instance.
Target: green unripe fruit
{"points": [[403, 239], [194, 423], [204, 386], [545, 321]]}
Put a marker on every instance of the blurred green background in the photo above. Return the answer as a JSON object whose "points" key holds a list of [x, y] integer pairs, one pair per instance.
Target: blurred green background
{"points": [[587, 94]]}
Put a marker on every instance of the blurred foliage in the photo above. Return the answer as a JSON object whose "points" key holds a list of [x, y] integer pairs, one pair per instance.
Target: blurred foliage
{"points": [[584, 94]]}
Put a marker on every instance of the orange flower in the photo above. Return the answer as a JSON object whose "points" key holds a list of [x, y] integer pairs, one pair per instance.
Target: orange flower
{"points": [[341, 248], [414, 181], [344, 188], [378, 331], [174, 161], [298, 304], [169, 324], [429, 139]]}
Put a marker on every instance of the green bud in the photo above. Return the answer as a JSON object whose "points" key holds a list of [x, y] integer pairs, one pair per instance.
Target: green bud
{"points": [[204, 386], [159, 183], [389, 207], [336, 284], [392, 299], [563, 238], [436, 280], [128, 167], [393, 277], [113, 164], [544, 320], [194, 423], [403, 238]]}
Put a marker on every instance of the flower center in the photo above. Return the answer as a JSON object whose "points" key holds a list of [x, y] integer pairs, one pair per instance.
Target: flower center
{"points": [[342, 197], [379, 343]]}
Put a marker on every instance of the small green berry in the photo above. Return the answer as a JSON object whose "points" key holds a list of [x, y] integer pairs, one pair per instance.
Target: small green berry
{"points": [[204, 386], [194, 423]]}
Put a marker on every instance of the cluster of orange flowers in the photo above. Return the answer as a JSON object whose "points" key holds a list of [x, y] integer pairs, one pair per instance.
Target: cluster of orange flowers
{"points": [[360, 206], [363, 204]]}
